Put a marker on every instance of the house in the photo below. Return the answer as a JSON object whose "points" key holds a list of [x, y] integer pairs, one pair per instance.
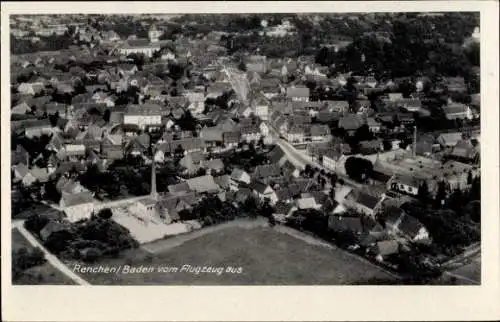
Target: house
{"points": [[41, 174], [240, 176], [283, 210], [464, 150], [192, 162], [224, 182], [373, 125], [307, 202], [196, 101], [145, 207], [260, 106], [30, 88], [203, 184], [346, 224], [405, 184], [37, 128], [72, 152], [250, 133], [263, 172], [112, 151], [20, 109], [336, 106], [411, 105], [383, 249], [319, 132], [363, 203], [454, 111], [212, 136], [213, 166], [143, 116], [399, 223], [178, 188], [264, 192], [296, 134], [298, 93], [425, 145], [77, 206], [277, 155], [350, 123], [448, 140], [371, 147], [289, 170], [231, 139], [455, 84], [139, 46], [330, 159]]}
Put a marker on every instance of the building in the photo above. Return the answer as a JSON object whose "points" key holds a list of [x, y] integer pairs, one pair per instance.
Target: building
{"points": [[144, 116], [77, 206], [448, 140], [37, 128], [139, 46], [398, 223], [405, 184], [264, 192], [363, 203], [455, 111], [240, 176], [298, 93]]}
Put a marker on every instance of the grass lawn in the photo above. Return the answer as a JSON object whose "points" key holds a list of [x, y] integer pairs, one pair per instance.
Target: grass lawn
{"points": [[266, 257], [44, 274]]}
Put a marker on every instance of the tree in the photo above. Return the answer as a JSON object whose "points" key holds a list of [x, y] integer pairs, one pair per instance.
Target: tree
{"points": [[441, 194], [106, 115], [423, 192], [105, 213], [469, 178], [358, 169]]}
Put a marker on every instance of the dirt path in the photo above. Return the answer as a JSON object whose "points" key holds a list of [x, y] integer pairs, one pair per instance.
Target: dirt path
{"points": [[52, 259]]}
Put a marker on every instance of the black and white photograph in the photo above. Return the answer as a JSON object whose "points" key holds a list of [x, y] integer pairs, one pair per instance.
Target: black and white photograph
{"points": [[336, 149], [264, 148]]}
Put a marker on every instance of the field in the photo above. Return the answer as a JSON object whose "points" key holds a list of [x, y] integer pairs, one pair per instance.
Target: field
{"points": [[261, 255], [469, 274], [44, 274]]}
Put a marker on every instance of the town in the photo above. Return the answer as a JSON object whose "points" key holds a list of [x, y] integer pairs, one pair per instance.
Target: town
{"points": [[132, 133]]}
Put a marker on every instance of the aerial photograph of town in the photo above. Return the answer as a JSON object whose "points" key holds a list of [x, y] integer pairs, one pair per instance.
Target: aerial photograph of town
{"points": [[245, 149]]}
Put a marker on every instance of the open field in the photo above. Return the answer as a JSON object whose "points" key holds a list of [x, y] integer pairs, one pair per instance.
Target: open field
{"points": [[45, 274], [469, 274], [262, 255]]}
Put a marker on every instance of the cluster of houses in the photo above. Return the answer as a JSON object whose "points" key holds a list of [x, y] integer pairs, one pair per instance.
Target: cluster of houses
{"points": [[80, 109]]}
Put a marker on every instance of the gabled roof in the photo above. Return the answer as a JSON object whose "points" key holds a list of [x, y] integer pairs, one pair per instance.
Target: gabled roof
{"points": [[267, 170], [77, 198], [237, 174], [259, 186], [202, 184]]}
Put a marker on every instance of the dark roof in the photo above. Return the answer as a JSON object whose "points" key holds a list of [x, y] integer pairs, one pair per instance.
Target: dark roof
{"points": [[276, 154], [367, 200], [338, 223], [258, 186]]}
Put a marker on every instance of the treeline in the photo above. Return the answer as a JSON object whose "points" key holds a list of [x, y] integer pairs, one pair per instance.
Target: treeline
{"points": [[19, 46], [418, 46]]}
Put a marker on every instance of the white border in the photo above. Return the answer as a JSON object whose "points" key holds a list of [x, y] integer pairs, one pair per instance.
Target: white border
{"points": [[137, 303]]}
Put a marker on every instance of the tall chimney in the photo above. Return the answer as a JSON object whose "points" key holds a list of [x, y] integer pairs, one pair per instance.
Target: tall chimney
{"points": [[154, 192]]}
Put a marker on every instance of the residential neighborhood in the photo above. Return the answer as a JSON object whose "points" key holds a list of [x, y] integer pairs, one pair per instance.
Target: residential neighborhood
{"points": [[129, 131]]}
